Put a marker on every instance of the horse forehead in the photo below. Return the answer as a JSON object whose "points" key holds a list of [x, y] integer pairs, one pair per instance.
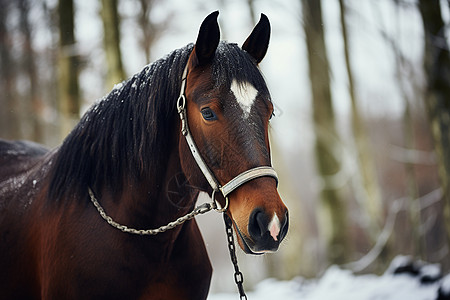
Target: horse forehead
{"points": [[245, 94]]}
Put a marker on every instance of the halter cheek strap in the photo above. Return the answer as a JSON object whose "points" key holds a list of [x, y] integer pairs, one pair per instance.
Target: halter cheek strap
{"points": [[234, 183]]}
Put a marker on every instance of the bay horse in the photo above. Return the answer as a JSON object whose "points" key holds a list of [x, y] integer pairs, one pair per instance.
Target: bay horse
{"points": [[141, 155]]}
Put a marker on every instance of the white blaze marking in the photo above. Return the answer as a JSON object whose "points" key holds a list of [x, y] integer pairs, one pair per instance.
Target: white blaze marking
{"points": [[245, 94], [274, 227]]}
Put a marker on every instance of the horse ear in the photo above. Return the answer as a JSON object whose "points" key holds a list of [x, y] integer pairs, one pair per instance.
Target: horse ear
{"points": [[208, 39], [258, 41]]}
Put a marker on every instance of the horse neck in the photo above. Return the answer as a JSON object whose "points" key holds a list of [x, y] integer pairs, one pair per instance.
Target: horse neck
{"points": [[158, 198]]}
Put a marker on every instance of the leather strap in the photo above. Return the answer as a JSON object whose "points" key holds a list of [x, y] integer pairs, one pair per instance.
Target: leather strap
{"points": [[247, 176], [213, 182], [181, 106]]}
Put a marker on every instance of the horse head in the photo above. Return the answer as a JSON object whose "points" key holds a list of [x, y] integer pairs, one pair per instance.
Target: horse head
{"points": [[228, 107]]}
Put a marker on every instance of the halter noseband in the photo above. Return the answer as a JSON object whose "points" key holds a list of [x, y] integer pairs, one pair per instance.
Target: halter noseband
{"points": [[234, 183]]}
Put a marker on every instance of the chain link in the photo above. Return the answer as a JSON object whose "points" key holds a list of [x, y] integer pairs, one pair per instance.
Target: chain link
{"points": [[238, 276], [201, 209]]}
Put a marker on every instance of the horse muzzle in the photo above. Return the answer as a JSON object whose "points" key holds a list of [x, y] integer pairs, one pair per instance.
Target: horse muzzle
{"points": [[264, 232]]}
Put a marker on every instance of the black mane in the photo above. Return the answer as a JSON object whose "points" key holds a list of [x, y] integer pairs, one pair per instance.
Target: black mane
{"points": [[124, 134], [127, 133]]}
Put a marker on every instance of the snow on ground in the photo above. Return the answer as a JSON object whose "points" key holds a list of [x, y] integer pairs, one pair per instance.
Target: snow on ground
{"points": [[338, 284]]}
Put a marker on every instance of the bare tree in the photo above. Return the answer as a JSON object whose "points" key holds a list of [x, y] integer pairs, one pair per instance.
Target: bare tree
{"points": [[408, 130], [365, 158], [68, 68], [437, 70], [148, 28], [251, 7], [111, 29], [33, 107], [333, 217], [9, 120]]}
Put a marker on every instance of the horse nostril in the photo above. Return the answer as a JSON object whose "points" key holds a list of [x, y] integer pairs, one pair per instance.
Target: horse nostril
{"points": [[267, 231], [284, 226], [257, 224]]}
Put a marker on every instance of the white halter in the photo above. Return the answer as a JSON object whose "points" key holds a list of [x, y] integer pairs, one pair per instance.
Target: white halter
{"points": [[234, 183]]}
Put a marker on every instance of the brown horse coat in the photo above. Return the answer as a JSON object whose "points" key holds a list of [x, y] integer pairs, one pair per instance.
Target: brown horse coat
{"points": [[129, 150]]}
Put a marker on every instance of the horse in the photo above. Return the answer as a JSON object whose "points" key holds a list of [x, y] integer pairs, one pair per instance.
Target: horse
{"points": [[139, 157]]}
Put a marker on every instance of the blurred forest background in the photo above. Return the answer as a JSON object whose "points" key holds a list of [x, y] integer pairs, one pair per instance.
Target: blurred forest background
{"points": [[361, 134]]}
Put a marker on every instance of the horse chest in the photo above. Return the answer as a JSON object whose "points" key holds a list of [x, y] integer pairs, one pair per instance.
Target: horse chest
{"points": [[178, 284], [124, 270], [187, 274]]}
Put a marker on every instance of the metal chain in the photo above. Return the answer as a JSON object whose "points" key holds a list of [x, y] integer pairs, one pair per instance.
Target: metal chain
{"points": [[238, 276], [201, 209]]}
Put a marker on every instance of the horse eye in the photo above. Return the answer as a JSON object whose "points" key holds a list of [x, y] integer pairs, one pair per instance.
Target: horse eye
{"points": [[208, 114]]}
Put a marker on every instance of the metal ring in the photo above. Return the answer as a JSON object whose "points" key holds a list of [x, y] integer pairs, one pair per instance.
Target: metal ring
{"points": [[218, 207]]}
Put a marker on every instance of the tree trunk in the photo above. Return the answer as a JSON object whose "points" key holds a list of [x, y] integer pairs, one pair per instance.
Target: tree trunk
{"points": [[9, 117], [147, 27], [68, 68], [437, 70], [408, 132], [34, 105], [251, 7], [333, 214], [111, 27], [365, 159]]}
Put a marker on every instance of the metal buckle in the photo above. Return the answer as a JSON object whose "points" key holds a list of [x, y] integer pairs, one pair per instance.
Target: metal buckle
{"points": [[216, 205], [181, 103]]}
